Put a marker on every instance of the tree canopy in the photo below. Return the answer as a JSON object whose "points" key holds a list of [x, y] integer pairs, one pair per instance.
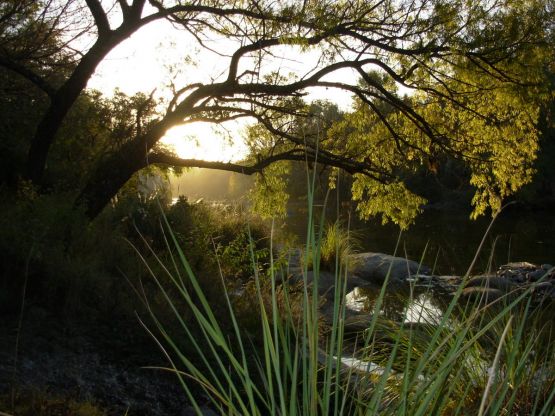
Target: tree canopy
{"points": [[429, 77]]}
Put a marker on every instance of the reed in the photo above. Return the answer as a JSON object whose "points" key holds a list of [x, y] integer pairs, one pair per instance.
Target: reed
{"points": [[493, 359]]}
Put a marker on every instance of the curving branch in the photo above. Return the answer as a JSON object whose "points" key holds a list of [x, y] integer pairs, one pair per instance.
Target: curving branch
{"points": [[28, 74], [99, 15], [300, 155], [267, 43], [125, 7], [159, 158]]}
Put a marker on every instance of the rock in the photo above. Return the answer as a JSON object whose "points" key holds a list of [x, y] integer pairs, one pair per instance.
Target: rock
{"points": [[521, 272], [543, 292], [546, 286], [495, 282], [357, 323], [518, 265], [327, 282], [515, 275], [452, 280], [447, 283], [524, 272], [481, 294], [536, 275], [374, 267], [519, 279]]}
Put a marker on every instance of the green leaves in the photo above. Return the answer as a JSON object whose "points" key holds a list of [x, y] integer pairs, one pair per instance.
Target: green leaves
{"points": [[269, 196], [494, 132], [393, 201]]}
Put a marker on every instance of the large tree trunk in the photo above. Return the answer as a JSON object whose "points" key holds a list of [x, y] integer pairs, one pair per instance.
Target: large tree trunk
{"points": [[114, 171], [64, 98], [108, 178], [60, 105]]}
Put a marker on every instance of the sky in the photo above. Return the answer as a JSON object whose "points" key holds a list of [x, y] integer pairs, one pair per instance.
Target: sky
{"points": [[158, 53]]}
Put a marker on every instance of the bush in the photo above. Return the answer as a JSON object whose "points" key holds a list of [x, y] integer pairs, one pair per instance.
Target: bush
{"points": [[334, 249], [70, 264], [77, 268]]}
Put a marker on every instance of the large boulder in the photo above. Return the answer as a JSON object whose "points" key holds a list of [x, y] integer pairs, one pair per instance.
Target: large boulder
{"points": [[481, 294], [491, 281], [374, 267], [327, 282]]}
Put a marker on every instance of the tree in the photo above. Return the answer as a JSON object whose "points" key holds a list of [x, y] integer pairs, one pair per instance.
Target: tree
{"points": [[449, 53]]}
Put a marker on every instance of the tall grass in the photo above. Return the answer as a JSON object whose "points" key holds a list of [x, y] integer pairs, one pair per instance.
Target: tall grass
{"points": [[478, 359], [335, 244]]}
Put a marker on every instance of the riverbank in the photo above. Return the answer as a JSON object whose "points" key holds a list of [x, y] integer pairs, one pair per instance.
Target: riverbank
{"points": [[105, 368]]}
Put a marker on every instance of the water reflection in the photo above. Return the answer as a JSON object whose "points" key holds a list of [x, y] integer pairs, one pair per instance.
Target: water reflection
{"points": [[423, 309], [416, 314], [355, 299], [409, 304]]}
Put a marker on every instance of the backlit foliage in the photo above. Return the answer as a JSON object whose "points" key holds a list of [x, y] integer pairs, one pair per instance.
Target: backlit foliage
{"points": [[269, 197]]}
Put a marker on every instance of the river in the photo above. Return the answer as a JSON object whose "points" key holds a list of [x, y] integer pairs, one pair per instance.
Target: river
{"points": [[449, 240]]}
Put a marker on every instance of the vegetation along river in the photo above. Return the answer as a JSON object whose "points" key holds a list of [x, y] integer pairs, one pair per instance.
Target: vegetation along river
{"points": [[450, 239]]}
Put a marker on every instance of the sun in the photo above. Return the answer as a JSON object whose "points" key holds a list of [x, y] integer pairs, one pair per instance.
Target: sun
{"points": [[151, 59], [201, 141], [151, 53]]}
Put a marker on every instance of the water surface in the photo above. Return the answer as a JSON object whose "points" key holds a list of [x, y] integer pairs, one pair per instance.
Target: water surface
{"points": [[448, 241]]}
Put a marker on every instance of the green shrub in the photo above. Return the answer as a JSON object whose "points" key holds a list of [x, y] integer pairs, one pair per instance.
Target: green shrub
{"points": [[334, 249], [70, 264]]}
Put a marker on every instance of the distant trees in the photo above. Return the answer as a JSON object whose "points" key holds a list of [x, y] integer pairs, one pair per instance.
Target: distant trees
{"points": [[475, 71]]}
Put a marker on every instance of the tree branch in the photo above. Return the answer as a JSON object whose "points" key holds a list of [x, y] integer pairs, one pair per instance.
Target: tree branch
{"points": [[300, 155], [125, 8], [29, 75], [166, 159], [265, 43], [99, 16]]}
